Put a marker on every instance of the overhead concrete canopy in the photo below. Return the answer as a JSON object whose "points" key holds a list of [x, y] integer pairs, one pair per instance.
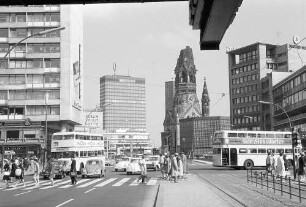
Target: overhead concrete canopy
{"points": [[212, 17]]}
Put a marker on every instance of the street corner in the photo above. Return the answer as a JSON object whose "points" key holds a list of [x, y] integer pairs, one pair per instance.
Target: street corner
{"points": [[151, 196]]}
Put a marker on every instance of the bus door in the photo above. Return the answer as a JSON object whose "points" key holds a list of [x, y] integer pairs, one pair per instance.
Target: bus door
{"points": [[233, 156], [225, 156]]}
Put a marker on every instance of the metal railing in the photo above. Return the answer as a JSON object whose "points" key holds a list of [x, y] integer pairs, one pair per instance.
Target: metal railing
{"points": [[282, 184]]}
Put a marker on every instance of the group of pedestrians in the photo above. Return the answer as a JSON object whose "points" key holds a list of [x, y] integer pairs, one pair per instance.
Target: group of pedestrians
{"points": [[279, 166], [173, 167], [14, 171]]}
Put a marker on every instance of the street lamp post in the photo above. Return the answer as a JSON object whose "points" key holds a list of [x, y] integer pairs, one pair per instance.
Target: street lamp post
{"points": [[184, 139], [291, 128], [3, 59]]}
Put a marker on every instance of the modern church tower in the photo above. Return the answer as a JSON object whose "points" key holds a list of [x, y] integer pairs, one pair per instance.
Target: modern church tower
{"points": [[205, 100]]}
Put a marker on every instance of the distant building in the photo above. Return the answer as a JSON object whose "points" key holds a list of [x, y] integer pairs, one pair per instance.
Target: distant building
{"points": [[41, 81], [247, 66], [196, 133]]}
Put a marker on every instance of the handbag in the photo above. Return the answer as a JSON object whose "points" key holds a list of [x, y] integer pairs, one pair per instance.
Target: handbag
{"points": [[7, 173], [18, 172], [73, 174]]}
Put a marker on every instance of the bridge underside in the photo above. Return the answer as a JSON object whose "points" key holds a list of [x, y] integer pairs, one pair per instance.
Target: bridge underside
{"points": [[211, 17]]}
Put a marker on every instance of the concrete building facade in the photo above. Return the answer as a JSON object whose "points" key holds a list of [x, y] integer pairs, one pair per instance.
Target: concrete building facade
{"points": [[41, 79], [247, 66]]}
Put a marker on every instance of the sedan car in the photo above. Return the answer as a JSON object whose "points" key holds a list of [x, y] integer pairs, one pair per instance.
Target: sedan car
{"points": [[93, 168], [60, 169], [153, 162], [133, 166], [122, 164]]}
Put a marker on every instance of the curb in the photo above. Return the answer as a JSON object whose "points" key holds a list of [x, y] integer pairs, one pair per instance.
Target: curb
{"points": [[156, 197]]}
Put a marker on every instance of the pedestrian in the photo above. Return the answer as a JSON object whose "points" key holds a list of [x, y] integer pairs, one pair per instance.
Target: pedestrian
{"points": [[269, 162], [301, 170], [51, 167], [167, 167], [174, 167], [180, 167], [280, 169], [274, 164], [143, 168], [73, 171], [161, 165], [6, 173], [184, 160], [13, 170], [36, 171], [19, 173]]}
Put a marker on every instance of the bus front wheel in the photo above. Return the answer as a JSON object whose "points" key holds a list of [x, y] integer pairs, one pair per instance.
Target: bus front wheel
{"points": [[248, 164]]}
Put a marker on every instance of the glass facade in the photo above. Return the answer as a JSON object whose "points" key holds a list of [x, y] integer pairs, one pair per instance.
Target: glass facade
{"points": [[124, 101]]}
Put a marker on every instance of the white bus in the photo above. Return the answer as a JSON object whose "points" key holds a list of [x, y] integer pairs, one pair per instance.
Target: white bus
{"points": [[82, 145], [249, 148]]}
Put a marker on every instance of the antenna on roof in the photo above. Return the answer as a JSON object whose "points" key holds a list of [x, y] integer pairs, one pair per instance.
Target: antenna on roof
{"points": [[114, 68]]}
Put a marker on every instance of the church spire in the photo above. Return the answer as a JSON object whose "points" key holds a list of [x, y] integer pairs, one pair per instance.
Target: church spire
{"points": [[205, 100]]}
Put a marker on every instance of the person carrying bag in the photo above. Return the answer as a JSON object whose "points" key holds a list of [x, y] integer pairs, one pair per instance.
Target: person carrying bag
{"points": [[6, 173], [73, 171]]}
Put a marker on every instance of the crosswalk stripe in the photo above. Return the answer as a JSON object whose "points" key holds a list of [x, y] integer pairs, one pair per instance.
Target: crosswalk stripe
{"points": [[120, 182], [92, 182], [40, 184], [152, 181], [20, 185], [79, 182], [135, 182], [105, 182], [56, 185]]}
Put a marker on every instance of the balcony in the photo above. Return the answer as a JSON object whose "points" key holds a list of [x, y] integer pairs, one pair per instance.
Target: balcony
{"points": [[12, 117], [42, 24]]}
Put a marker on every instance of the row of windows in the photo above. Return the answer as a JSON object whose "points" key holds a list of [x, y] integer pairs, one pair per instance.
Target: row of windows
{"points": [[293, 99], [25, 32], [58, 155], [246, 120], [31, 63], [246, 99], [290, 85], [76, 136], [257, 150], [31, 79], [31, 110], [245, 57], [271, 66], [245, 69], [32, 48], [245, 89], [30, 17], [29, 95], [247, 109], [245, 79]]}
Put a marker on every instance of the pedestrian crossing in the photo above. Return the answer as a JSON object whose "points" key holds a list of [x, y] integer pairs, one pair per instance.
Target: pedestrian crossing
{"points": [[81, 183]]}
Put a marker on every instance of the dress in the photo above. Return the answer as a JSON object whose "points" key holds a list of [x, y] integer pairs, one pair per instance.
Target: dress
{"points": [[280, 168], [174, 167], [14, 167], [301, 169], [184, 160], [52, 169], [180, 168], [20, 177]]}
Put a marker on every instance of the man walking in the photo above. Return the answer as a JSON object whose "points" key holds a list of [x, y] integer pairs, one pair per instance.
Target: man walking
{"points": [[36, 171], [161, 164], [73, 171], [184, 160], [143, 168], [269, 162]]}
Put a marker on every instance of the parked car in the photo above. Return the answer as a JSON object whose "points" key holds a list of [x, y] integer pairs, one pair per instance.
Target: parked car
{"points": [[122, 164], [133, 166], [93, 168], [61, 169], [152, 162]]}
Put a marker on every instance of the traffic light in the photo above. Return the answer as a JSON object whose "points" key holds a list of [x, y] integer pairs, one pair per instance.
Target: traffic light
{"points": [[295, 139]]}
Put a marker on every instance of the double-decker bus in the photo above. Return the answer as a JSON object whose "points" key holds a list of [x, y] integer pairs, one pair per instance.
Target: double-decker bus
{"points": [[82, 145], [249, 148]]}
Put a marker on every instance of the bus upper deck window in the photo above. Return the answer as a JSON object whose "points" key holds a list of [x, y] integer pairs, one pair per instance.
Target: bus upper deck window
{"points": [[259, 135], [232, 135], [262, 151], [251, 135], [279, 135], [287, 135], [242, 134], [269, 135]]}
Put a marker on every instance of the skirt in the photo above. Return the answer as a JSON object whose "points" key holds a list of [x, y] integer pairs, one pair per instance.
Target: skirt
{"points": [[6, 177]]}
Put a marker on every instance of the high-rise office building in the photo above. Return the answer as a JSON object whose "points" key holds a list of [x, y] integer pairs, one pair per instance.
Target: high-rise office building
{"points": [[247, 66], [124, 103], [41, 82]]}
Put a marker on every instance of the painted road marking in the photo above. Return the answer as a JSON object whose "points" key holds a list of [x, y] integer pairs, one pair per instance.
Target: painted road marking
{"points": [[89, 190], [64, 203], [105, 182], [20, 185], [70, 185], [120, 182], [87, 184], [22, 193], [152, 181], [38, 186], [58, 184], [135, 182]]}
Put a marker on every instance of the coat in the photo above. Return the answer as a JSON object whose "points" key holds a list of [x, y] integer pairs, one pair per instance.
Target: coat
{"points": [[174, 167], [73, 166], [184, 160], [301, 169], [280, 168]]}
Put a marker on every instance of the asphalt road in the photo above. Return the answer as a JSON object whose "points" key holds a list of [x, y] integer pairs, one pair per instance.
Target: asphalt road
{"points": [[116, 189]]}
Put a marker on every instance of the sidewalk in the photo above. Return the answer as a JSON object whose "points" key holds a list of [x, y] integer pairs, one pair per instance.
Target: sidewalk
{"points": [[188, 193]]}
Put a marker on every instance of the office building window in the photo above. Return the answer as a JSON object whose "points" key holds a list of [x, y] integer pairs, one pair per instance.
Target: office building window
{"points": [[19, 33], [4, 33], [3, 95], [4, 17]]}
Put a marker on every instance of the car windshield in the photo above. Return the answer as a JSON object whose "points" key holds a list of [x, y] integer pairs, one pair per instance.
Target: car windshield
{"points": [[153, 158], [92, 162], [134, 160], [125, 159]]}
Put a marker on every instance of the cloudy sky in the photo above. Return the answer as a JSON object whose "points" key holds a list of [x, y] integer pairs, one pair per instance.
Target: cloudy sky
{"points": [[144, 40]]}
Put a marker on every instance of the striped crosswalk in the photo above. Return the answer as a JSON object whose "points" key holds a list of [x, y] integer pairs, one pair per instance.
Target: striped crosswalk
{"points": [[82, 183]]}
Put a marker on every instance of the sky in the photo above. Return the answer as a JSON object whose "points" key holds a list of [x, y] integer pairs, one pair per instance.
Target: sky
{"points": [[144, 40]]}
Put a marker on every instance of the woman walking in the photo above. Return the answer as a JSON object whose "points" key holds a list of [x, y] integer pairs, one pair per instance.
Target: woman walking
{"points": [[73, 171], [6, 173], [36, 171], [19, 173], [174, 167], [13, 169], [180, 167], [51, 169], [301, 170]]}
